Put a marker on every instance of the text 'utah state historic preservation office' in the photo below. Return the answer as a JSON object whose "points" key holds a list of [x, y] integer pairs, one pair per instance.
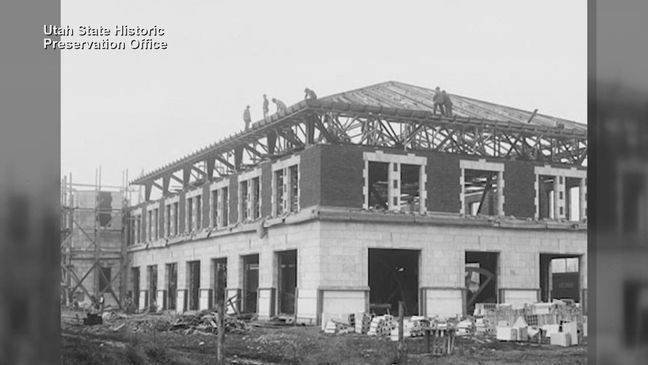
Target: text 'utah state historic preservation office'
{"points": [[139, 38]]}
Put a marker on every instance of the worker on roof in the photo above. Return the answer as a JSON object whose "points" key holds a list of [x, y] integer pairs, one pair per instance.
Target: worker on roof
{"points": [[266, 108], [309, 94], [447, 103], [438, 101], [281, 107], [246, 117]]}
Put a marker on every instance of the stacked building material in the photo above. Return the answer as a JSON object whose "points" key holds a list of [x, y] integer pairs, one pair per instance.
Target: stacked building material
{"points": [[382, 325], [336, 327], [465, 327], [412, 327], [362, 322]]}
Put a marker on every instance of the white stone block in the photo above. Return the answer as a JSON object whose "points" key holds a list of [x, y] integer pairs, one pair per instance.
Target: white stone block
{"points": [[203, 301], [571, 328], [347, 301], [561, 339], [444, 302], [160, 300], [180, 301], [550, 329], [143, 296], [505, 333]]}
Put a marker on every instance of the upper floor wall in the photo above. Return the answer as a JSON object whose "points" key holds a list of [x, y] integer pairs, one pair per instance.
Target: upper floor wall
{"points": [[370, 178]]}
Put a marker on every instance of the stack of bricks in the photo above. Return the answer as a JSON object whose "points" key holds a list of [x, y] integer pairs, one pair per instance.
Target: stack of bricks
{"points": [[412, 327], [362, 322], [382, 326]]}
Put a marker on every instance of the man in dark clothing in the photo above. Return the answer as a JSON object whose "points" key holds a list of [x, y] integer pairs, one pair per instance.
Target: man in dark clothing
{"points": [[438, 101], [309, 94], [266, 108], [280, 105], [447, 104], [246, 117]]}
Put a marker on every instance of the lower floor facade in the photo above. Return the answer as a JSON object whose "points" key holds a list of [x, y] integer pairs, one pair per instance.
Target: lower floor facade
{"points": [[329, 264]]}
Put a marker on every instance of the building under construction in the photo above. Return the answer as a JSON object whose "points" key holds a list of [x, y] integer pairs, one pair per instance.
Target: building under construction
{"points": [[93, 250], [356, 201]]}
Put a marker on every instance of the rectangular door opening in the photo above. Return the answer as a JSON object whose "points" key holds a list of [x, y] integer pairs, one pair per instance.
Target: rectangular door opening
{"points": [[193, 268], [394, 277], [559, 277], [481, 278], [172, 285], [250, 283], [287, 283], [218, 264]]}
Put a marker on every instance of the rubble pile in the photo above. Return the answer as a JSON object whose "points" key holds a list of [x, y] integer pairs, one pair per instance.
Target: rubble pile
{"points": [[204, 322]]}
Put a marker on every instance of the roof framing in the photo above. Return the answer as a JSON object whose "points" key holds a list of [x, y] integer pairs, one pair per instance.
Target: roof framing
{"points": [[330, 122]]}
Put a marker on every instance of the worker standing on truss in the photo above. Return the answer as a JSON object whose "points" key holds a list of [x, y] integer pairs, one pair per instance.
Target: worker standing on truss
{"points": [[447, 103], [281, 107], [266, 108], [438, 101], [309, 94], [246, 117]]}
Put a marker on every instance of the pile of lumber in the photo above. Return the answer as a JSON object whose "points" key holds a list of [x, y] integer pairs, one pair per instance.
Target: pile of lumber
{"points": [[206, 322]]}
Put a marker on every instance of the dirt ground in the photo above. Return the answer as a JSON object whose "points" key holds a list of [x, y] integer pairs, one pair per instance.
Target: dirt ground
{"points": [[105, 344]]}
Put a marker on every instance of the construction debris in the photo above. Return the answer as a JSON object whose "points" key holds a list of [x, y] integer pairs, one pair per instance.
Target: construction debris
{"points": [[538, 322], [204, 322]]}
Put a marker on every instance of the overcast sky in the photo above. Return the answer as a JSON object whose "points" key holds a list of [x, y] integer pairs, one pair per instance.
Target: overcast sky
{"points": [[138, 110]]}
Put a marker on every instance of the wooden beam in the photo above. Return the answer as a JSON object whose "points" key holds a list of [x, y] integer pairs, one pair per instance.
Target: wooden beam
{"points": [[272, 142], [238, 157], [166, 181], [186, 176], [224, 162], [210, 162], [290, 136], [254, 152], [325, 132], [176, 178], [147, 191], [201, 172]]}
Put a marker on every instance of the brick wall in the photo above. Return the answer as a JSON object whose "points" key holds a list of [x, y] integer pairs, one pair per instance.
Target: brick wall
{"points": [[161, 219], [341, 176], [519, 191], [181, 214], [233, 199], [266, 189], [310, 177], [332, 175], [206, 205], [443, 182]]}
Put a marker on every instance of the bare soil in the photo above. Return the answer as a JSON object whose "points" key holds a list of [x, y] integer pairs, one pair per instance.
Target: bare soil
{"points": [[105, 344]]}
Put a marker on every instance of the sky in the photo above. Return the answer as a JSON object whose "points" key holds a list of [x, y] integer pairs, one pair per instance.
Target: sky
{"points": [[138, 110]]}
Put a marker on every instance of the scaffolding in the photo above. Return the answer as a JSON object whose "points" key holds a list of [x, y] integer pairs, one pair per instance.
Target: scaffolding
{"points": [[89, 248]]}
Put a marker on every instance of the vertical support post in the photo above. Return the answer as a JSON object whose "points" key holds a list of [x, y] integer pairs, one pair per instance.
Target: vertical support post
{"points": [[310, 131], [186, 176], [394, 188], [559, 197], [220, 298], [272, 142], [582, 199], [166, 180], [210, 168], [147, 191], [500, 193], [556, 204], [238, 157], [402, 353]]}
